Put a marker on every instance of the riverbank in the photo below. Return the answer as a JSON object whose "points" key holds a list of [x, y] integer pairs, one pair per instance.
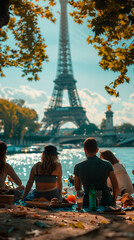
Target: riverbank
{"points": [[18, 222]]}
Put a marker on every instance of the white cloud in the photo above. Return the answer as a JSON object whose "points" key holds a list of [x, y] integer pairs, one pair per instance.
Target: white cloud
{"points": [[131, 97], [95, 97], [126, 114], [35, 99], [115, 100], [95, 105]]}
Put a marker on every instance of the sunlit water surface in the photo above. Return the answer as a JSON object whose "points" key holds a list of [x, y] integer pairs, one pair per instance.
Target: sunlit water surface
{"points": [[22, 163]]}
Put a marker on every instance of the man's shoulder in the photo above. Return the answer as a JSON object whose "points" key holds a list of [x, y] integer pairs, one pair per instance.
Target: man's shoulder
{"points": [[103, 161], [106, 164], [81, 163]]}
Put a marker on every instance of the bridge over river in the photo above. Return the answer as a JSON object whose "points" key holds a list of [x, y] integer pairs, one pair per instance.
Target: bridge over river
{"points": [[74, 139], [126, 142], [120, 140], [103, 140]]}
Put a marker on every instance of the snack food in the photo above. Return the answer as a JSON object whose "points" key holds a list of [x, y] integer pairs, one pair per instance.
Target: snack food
{"points": [[127, 200], [19, 213], [55, 201]]}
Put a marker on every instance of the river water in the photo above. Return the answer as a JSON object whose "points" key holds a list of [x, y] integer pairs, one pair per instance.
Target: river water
{"points": [[22, 163]]}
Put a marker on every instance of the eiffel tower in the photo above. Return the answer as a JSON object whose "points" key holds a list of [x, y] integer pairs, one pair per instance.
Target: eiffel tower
{"points": [[56, 115]]}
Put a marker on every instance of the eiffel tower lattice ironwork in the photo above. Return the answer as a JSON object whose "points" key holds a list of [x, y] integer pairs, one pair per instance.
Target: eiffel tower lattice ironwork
{"points": [[56, 115]]}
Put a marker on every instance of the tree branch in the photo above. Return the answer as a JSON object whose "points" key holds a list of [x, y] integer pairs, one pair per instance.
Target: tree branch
{"points": [[4, 12]]}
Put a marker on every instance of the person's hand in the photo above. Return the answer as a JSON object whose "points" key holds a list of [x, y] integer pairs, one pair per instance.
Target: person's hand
{"points": [[64, 200], [21, 187]]}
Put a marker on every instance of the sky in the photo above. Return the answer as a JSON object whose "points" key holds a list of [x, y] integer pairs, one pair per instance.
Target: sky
{"points": [[90, 78]]}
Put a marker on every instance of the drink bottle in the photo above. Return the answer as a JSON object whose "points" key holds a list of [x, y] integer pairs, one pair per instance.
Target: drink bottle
{"points": [[92, 198]]}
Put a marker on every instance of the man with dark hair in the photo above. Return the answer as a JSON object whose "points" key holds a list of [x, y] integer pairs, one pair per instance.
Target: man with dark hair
{"points": [[90, 145], [95, 171]]}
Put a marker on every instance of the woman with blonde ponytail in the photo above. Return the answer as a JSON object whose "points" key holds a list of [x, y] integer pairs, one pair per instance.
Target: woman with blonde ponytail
{"points": [[47, 175]]}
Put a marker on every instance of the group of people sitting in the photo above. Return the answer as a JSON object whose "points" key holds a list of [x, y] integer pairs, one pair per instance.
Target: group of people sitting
{"points": [[105, 173]]}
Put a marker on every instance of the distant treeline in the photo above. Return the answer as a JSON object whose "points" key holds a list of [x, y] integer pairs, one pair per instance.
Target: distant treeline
{"points": [[16, 120]]}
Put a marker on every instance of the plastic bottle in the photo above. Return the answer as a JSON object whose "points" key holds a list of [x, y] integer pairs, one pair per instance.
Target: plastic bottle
{"points": [[92, 198]]}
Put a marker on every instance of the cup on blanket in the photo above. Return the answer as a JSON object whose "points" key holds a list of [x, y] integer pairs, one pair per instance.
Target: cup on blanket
{"points": [[79, 199]]}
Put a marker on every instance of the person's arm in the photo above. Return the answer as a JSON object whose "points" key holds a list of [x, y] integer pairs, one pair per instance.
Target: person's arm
{"points": [[13, 175], [77, 183], [114, 186], [59, 180], [29, 183]]}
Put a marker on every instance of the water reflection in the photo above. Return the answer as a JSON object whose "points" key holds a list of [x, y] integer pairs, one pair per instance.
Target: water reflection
{"points": [[22, 163]]}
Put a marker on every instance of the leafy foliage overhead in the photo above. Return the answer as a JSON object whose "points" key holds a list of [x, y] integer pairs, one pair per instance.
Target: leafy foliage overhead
{"points": [[111, 22], [28, 52], [112, 25]]}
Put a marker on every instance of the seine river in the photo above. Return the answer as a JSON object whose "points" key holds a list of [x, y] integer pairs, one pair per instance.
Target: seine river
{"points": [[22, 163]]}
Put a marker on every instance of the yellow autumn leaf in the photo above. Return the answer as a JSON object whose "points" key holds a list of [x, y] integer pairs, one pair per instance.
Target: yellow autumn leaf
{"points": [[2, 75], [103, 222], [8, 48], [76, 225], [72, 225], [80, 225], [62, 225]]}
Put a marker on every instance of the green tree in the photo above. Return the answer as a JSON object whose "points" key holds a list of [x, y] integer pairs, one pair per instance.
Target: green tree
{"points": [[125, 128], [30, 119], [87, 129], [19, 102], [17, 119]]}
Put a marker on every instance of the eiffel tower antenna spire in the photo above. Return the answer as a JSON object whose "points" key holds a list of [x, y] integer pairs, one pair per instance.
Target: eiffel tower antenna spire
{"points": [[64, 57], [56, 115]]}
